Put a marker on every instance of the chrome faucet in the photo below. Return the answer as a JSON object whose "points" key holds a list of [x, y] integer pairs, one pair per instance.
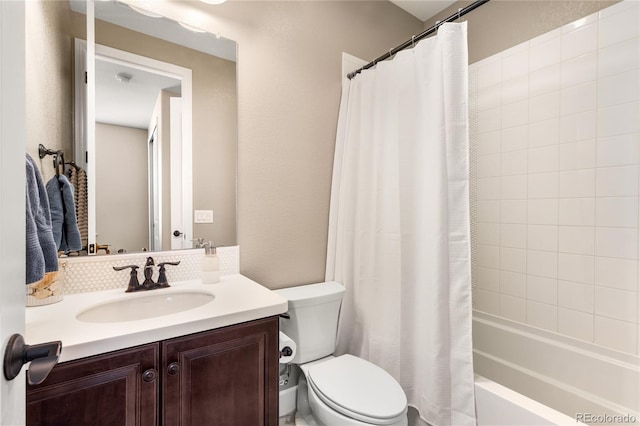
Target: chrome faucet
{"points": [[148, 284]]}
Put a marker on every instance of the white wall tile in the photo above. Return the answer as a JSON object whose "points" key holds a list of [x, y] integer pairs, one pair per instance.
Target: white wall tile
{"points": [[542, 263], [577, 155], [620, 57], [513, 187], [618, 304], [619, 88], [617, 212], [514, 138], [513, 211], [577, 183], [579, 23], [616, 334], [617, 242], [490, 71], [515, 114], [623, 6], [542, 185], [488, 256], [618, 150], [618, 119], [488, 143], [543, 133], [578, 70], [542, 212], [489, 97], [576, 296], [546, 37], [577, 268], [578, 127], [513, 163], [513, 308], [488, 233], [577, 99], [488, 188], [515, 90], [542, 315], [513, 235], [542, 289], [575, 324], [487, 301], [513, 284], [616, 28], [576, 239], [579, 41], [515, 65], [489, 120], [544, 107], [544, 54], [577, 211], [543, 159], [513, 260], [488, 211], [488, 165], [487, 278], [542, 237], [618, 181], [544, 80], [617, 273]]}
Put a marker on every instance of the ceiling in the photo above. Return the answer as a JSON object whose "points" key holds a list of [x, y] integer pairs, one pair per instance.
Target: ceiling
{"points": [[423, 9]]}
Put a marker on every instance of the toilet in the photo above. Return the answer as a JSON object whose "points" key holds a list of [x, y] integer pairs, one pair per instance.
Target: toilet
{"points": [[335, 391]]}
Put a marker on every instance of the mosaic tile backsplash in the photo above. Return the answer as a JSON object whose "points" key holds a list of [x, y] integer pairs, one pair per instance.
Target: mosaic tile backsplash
{"points": [[95, 273]]}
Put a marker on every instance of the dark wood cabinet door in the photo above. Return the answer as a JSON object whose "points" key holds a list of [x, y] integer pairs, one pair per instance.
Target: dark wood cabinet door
{"points": [[118, 388], [225, 377]]}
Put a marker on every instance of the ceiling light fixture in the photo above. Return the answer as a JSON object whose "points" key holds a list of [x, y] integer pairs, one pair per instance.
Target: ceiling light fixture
{"points": [[144, 12], [213, 1], [123, 77]]}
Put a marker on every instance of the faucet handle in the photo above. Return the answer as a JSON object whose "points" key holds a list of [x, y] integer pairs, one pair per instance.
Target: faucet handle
{"points": [[162, 277], [134, 284]]}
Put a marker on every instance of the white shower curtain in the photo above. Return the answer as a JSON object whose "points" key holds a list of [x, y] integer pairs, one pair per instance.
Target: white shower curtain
{"points": [[399, 224]]}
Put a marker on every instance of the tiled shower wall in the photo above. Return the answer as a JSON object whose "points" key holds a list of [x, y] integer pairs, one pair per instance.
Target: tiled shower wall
{"points": [[556, 220]]}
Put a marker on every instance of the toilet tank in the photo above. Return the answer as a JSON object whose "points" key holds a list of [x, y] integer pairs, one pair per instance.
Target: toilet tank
{"points": [[314, 310]]}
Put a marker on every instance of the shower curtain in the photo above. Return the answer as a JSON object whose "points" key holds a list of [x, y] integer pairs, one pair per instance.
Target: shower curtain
{"points": [[399, 224]]}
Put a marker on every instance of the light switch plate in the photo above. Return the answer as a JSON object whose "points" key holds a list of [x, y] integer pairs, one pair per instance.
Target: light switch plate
{"points": [[203, 216]]}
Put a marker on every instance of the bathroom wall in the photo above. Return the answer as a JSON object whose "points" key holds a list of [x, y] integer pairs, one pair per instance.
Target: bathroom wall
{"points": [[289, 85], [48, 97], [121, 180]]}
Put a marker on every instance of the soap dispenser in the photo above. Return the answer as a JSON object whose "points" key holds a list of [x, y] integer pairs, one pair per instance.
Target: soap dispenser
{"points": [[210, 265]]}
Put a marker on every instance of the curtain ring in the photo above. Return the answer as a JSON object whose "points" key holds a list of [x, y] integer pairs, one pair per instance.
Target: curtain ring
{"points": [[390, 55], [459, 10], [413, 41]]}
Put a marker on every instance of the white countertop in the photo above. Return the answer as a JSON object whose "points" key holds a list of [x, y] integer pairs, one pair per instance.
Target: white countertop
{"points": [[237, 299]]}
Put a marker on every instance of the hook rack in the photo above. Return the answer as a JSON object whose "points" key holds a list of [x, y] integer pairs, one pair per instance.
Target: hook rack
{"points": [[58, 159]]}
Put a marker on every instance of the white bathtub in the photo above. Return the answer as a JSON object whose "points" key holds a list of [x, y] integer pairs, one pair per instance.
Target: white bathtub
{"points": [[498, 405]]}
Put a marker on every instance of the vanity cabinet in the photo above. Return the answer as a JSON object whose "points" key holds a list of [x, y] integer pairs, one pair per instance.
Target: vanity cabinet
{"points": [[227, 376]]}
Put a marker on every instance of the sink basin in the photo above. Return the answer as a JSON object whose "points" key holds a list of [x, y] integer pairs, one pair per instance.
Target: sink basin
{"points": [[134, 308]]}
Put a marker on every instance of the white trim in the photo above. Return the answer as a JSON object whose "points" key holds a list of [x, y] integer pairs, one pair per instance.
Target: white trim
{"points": [[79, 103]]}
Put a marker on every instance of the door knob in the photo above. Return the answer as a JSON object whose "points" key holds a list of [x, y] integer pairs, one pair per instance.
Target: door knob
{"points": [[43, 358], [177, 233]]}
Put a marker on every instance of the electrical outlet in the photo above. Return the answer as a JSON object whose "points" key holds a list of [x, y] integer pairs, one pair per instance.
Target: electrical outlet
{"points": [[203, 216]]}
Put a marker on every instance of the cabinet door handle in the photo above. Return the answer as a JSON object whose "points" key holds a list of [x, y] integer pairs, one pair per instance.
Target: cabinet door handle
{"points": [[174, 368], [149, 375]]}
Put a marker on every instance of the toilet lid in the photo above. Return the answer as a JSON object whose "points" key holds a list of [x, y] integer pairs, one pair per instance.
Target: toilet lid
{"points": [[352, 385]]}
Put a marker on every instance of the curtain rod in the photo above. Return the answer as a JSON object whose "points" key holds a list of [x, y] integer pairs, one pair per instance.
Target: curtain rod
{"points": [[414, 39]]}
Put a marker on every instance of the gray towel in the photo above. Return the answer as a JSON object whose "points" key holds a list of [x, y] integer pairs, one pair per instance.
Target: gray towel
{"points": [[41, 255], [63, 214]]}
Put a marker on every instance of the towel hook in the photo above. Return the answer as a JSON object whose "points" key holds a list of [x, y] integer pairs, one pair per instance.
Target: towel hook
{"points": [[58, 161]]}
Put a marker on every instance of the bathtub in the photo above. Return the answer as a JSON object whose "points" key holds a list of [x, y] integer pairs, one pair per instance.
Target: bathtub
{"points": [[496, 405]]}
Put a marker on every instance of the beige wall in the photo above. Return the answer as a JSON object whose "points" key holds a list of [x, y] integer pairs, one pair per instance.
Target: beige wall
{"points": [[289, 59], [121, 184], [500, 24], [49, 70]]}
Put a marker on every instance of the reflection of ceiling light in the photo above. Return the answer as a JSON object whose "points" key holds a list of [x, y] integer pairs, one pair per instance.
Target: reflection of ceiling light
{"points": [[123, 77], [192, 28], [145, 12], [213, 1]]}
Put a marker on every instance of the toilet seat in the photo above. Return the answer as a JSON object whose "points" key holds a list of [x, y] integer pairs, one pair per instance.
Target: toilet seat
{"points": [[358, 389]]}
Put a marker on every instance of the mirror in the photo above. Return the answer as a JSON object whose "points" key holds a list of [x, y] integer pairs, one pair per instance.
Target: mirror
{"points": [[159, 85]]}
